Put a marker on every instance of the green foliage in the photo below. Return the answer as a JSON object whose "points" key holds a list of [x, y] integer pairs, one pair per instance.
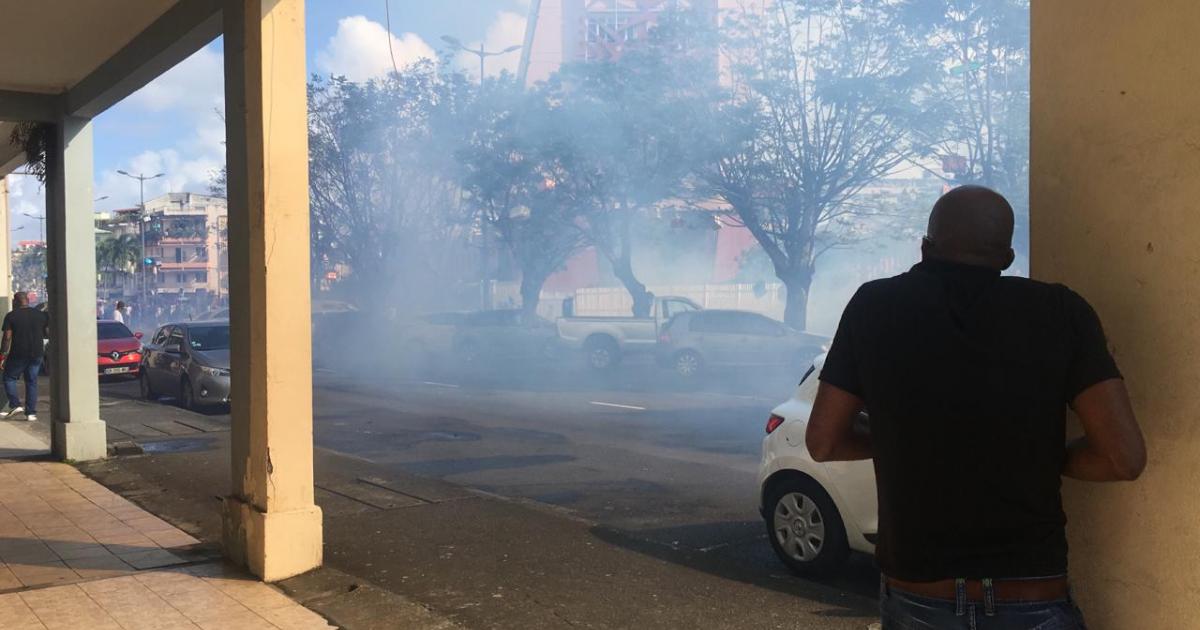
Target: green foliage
{"points": [[34, 139]]}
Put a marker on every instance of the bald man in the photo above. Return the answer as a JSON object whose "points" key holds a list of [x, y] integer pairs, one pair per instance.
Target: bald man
{"points": [[966, 376]]}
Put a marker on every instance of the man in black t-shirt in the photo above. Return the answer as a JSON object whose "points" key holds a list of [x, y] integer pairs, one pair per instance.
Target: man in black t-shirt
{"points": [[23, 348], [966, 376]]}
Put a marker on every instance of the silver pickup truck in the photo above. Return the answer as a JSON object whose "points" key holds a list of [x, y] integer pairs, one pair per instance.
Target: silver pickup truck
{"points": [[606, 339]]}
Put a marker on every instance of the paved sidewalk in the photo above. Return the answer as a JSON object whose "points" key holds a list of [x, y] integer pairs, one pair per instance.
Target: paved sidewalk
{"points": [[75, 555]]}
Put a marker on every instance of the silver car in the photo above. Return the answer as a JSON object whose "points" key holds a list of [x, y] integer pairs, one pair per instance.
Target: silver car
{"points": [[189, 361], [695, 341]]}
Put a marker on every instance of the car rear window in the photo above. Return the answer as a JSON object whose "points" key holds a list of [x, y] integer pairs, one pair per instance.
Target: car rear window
{"points": [[112, 330]]}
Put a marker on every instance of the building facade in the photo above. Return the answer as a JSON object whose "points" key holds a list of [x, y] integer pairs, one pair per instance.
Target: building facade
{"points": [[186, 253]]}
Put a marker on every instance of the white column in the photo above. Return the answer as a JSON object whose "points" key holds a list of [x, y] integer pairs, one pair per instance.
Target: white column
{"points": [[77, 431]]}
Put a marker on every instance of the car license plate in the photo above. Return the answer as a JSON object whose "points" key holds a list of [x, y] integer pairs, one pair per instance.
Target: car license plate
{"points": [[116, 370]]}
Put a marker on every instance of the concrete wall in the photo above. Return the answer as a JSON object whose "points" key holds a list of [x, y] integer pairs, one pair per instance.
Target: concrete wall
{"points": [[1115, 195]]}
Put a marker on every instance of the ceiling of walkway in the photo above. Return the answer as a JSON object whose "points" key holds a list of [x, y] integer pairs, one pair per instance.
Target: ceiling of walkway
{"points": [[34, 55]]}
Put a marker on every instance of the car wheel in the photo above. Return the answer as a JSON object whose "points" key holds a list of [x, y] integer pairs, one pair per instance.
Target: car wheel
{"points": [[189, 396], [805, 528], [148, 392], [688, 364], [602, 353]]}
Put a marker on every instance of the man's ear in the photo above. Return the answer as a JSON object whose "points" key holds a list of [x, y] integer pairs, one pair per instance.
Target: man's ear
{"points": [[1010, 257], [926, 248]]}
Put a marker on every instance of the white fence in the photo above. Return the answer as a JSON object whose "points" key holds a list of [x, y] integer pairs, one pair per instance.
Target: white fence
{"points": [[768, 299]]}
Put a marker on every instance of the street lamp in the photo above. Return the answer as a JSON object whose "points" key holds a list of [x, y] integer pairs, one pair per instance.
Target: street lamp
{"points": [[142, 179], [481, 53], [41, 219]]}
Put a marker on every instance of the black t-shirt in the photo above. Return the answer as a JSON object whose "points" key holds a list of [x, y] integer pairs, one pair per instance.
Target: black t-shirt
{"points": [[966, 376], [28, 326]]}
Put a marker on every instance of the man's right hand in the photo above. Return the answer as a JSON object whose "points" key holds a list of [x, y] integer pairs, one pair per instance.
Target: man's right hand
{"points": [[1112, 447]]}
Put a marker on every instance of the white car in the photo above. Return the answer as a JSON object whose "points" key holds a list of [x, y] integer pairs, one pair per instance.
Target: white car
{"points": [[815, 513]]}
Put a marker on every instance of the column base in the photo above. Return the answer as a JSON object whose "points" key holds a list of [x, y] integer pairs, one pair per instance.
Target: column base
{"points": [[80, 440], [273, 545]]}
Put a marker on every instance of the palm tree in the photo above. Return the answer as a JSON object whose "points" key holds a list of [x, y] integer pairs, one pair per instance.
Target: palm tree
{"points": [[118, 255]]}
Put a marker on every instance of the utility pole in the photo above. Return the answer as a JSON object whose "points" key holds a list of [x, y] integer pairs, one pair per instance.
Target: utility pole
{"points": [[142, 218], [485, 282]]}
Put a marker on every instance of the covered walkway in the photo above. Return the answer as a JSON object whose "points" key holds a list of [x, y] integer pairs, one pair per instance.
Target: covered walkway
{"points": [[61, 64]]}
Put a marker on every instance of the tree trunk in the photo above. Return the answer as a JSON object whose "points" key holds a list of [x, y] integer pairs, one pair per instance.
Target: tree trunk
{"points": [[642, 300], [622, 262], [531, 292], [795, 313]]}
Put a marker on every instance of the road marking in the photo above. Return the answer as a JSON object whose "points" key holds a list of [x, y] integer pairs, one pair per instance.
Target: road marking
{"points": [[436, 384], [615, 405]]}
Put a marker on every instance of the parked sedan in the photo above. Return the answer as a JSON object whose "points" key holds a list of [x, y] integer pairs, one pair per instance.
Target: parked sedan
{"points": [[695, 341], [119, 350], [815, 513], [189, 361]]}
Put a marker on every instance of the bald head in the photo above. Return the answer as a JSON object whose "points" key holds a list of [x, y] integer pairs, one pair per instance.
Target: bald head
{"points": [[972, 225]]}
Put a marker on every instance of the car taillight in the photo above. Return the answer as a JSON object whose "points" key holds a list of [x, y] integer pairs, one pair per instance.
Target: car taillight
{"points": [[773, 422], [664, 338]]}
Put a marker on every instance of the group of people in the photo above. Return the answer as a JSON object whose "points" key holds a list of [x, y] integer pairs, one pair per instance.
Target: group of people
{"points": [[966, 375]]}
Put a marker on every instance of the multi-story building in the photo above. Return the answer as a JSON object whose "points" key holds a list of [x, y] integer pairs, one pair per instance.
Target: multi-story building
{"points": [[563, 31], [186, 258]]}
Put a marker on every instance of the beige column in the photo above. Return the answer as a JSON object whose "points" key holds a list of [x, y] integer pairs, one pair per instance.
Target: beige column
{"points": [[1115, 212], [272, 524], [5, 250], [77, 433]]}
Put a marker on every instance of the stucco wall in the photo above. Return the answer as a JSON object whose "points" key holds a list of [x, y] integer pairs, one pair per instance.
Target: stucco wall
{"points": [[1115, 211]]}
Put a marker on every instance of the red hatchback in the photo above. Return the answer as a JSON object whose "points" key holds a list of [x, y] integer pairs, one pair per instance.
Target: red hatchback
{"points": [[120, 350]]}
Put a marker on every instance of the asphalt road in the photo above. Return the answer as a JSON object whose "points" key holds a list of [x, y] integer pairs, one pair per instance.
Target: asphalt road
{"points": [[663, 464]]}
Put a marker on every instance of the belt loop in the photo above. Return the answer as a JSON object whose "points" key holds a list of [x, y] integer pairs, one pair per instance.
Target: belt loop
{"points": [[989, 598], [960, 597]]}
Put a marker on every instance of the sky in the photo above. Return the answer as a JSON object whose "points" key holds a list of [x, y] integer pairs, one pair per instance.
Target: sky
{"points": [[173, 125]]}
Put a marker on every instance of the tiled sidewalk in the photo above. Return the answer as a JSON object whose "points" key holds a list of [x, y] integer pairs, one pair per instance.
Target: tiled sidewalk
{"points": [[75, 555]]}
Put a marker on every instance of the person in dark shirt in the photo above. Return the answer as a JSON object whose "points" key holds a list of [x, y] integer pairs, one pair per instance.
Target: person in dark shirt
{"points": [[23, 348], [966, 375]]}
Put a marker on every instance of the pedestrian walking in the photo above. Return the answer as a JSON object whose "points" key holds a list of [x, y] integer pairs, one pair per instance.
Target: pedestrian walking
{"points": [[23, 349], [119, 312], [966, 375]]}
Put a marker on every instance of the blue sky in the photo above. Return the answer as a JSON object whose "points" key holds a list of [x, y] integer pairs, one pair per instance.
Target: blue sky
{"points": [[173, 126]]}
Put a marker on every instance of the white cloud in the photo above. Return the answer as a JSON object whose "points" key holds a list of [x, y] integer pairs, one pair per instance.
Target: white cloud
{"points": [[190, 97], [359, 50], [508, 29], [196, 84]]}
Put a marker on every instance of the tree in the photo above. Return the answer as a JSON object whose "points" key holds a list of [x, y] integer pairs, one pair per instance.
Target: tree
{"points": [[525, 178], [383, 187], [826, 95], [29, 268], [118, 255], [624, 115], [982, 96]]}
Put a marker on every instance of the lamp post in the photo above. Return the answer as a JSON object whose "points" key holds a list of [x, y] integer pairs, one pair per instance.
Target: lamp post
{"points": [[485, 293], [481, 53], [41, 219], [142, 218]]}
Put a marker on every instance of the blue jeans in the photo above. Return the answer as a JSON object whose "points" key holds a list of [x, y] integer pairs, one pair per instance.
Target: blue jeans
{"points": [[905, 611], [15, 369]]}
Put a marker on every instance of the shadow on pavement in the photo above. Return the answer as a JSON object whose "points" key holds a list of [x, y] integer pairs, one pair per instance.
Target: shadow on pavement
{"points": [[739, 551]]}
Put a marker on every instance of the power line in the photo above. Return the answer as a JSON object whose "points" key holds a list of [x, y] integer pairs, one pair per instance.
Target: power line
{"points": [[387, 12]]}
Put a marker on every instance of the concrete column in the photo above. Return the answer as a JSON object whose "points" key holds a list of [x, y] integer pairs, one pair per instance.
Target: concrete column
{"points": [[77, 431], [272, 524], [1115, 183], [6, 282]]}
